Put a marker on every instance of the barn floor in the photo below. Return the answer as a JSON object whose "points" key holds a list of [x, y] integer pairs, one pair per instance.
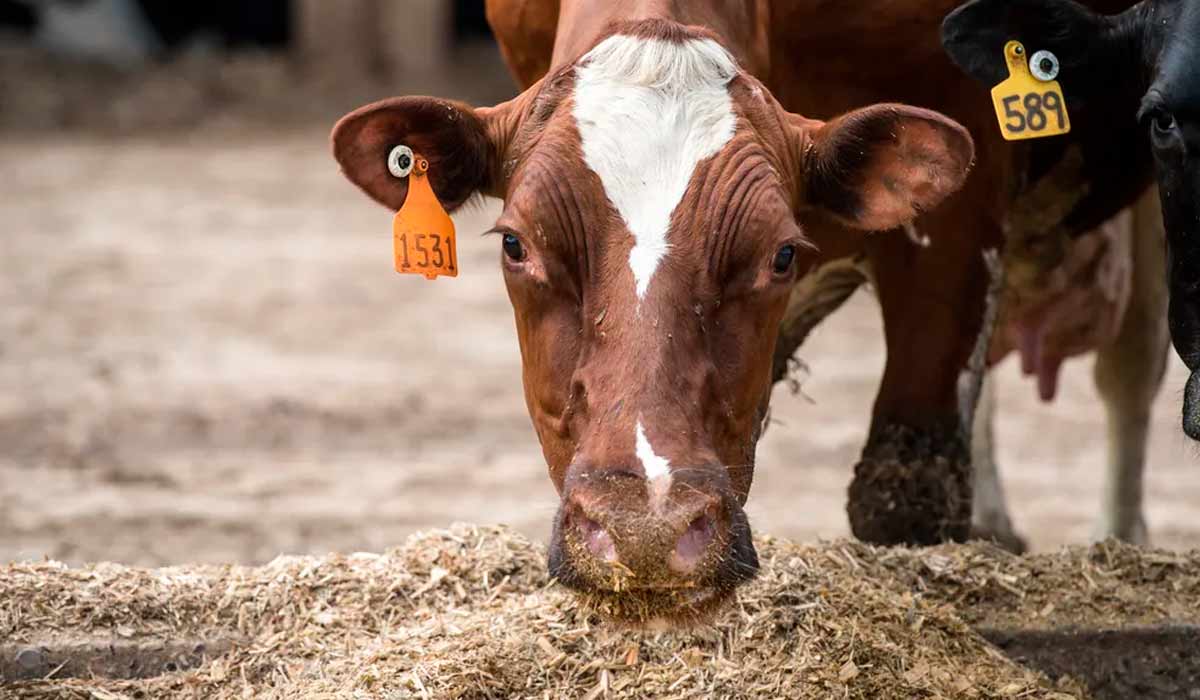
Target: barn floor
{"points": [[205, 357], [469, 613]]}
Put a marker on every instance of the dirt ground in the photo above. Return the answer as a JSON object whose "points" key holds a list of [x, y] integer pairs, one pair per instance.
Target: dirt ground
{"points": [[205, 356]]}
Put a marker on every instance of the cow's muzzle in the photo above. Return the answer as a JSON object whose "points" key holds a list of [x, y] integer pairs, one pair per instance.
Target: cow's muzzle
{"points": [[641, 556], [1191, 406]]}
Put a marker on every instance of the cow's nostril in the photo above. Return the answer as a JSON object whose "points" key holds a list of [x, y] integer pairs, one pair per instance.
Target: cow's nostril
{"points": [[596, 538], [693, 545]]}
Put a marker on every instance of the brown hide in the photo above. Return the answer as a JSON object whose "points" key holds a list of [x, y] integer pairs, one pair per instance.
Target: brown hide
{"points": [[822, 58], [660, 205]]}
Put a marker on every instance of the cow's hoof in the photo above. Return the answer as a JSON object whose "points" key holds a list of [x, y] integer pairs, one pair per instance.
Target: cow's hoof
{"points": [[911, 487], [1131, 530], [1005, 538]]}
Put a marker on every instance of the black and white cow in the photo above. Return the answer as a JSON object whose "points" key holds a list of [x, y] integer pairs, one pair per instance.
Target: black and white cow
{"points": [[1136, 77]]}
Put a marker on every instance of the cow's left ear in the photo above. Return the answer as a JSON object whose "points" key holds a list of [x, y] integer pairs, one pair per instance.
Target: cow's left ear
{"points": [[461, 145], [975, 34], [878, 168]]}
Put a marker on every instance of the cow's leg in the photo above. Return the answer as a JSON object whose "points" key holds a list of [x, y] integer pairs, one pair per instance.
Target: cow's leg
{"points": [[1128, 375], [977, 406], [989, 509], [913, 483]]}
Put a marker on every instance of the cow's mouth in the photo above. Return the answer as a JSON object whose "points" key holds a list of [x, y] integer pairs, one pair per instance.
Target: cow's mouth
{"points": [[657, 608], [619, 596]]}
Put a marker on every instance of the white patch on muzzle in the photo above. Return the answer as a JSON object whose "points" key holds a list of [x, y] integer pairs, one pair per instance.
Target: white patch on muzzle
{"points": [[648, 111], [657, 469]]}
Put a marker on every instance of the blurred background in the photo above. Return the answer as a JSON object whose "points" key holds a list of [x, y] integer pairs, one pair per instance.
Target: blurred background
{"points": [[206, 356]]}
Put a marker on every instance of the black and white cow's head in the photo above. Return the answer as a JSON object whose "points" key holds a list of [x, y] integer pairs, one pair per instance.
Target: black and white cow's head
{"points": [[1153, 49]]}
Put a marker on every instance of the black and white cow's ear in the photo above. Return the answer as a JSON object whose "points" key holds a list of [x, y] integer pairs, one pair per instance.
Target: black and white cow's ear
{"points": [[974, 36], [461, 145], [879, 167]]}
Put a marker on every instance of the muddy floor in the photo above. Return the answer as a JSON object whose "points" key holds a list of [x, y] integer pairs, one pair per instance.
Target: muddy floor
{"points": [[205, 356]]}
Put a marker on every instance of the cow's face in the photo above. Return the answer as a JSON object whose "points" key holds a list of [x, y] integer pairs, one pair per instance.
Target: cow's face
{"points": [[1152, 49], [1171, 112], [649, 241]]}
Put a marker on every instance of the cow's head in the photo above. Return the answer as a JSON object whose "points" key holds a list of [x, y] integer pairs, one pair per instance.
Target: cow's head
{"points": [[649, 241], [1154, 49]]}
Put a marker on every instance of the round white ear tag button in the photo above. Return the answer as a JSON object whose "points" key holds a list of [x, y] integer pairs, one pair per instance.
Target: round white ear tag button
{"points": [[1044, 66], [400, 161]]}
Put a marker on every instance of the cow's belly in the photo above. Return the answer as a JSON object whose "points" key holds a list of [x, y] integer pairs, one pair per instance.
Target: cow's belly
{"points": [[1067, 309]]}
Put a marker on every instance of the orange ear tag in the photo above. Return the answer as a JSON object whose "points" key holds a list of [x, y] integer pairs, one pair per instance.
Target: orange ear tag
{"points": [[422, 232]]}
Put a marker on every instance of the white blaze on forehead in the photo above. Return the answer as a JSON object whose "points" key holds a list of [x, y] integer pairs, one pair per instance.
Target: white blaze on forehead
{"points": [[648, 112], [653, 466]]}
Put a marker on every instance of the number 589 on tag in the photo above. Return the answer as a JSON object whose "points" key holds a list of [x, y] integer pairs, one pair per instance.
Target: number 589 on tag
{"points": [[1028, 108]]}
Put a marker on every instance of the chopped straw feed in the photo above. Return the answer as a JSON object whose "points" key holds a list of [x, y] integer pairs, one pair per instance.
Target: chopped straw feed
{"points": [[470, 613]]}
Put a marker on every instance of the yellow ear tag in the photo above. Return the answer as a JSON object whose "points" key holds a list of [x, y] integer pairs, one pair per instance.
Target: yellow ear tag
{"points": [[1030, 105], [422, 232]]}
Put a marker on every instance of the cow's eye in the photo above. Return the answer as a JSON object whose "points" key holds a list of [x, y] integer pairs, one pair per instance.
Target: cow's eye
{"points": [[1164, 122], [784, 259], [513, 248]]}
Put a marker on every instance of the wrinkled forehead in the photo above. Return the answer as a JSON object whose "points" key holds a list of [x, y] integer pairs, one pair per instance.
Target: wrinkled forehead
{"points": [[648, 110], [639, 126], [639, 79], [652, 105]]}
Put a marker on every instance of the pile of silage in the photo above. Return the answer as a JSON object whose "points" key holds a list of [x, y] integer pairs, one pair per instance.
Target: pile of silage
{"points": [[469, 613]]}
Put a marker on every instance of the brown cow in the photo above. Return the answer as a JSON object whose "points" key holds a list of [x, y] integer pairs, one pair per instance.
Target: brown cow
{"points": [[660, 205], [1073, 283]]}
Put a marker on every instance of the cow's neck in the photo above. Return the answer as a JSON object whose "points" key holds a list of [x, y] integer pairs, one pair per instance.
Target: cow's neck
{"points": [[740, 25]]}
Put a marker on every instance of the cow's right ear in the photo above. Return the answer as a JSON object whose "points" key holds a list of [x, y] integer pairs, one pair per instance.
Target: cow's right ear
{"points": [[975, 34], [459, 142]]}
